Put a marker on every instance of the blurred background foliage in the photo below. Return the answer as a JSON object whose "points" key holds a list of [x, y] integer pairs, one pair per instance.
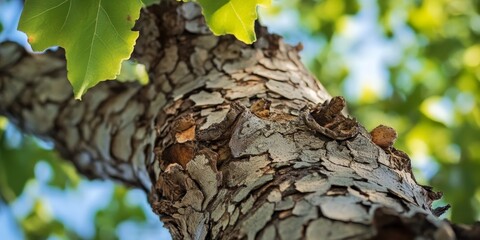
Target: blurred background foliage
{"points": [[44, 195], [425, 82], [411, 64]]}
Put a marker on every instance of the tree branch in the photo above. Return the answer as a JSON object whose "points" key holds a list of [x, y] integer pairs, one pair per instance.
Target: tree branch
{"points": [[220, 138]]}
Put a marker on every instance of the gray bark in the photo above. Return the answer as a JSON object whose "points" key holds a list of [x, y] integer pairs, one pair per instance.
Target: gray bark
{"points": [[229, 140]]}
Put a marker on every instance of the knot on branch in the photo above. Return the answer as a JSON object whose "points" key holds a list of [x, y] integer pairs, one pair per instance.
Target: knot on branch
{"points": [[328, 119]]}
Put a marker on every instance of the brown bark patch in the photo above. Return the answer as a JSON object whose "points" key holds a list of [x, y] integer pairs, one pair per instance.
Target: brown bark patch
{"points": [[384, 136], [187, 135], [327, 119], [180, 153], [261, 108]]}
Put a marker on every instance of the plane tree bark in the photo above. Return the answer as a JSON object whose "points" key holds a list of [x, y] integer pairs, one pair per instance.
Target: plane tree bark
{"points": [[230, 140]]}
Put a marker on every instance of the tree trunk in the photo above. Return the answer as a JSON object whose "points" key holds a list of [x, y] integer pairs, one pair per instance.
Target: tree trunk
{"points": [[230, 141]]}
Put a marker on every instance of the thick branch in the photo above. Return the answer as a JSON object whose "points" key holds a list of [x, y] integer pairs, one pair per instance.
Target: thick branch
{"points": [[225, 134], [107, 135], [110, 133]]}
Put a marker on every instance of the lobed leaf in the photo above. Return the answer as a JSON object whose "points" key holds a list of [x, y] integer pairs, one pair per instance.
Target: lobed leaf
{"points": [[235, 17], [96, 35]]}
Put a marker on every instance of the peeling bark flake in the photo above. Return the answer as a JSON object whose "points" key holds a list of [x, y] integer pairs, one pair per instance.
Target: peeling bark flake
{"points": [[202, 172], [312, 183], [245, 191], [218, 212], [240, 172], [256, 220], [274, 196], [344, 208], [303, 208], [214, 118], [286, 203], [204, 98], [325, 229], [284, 89]]}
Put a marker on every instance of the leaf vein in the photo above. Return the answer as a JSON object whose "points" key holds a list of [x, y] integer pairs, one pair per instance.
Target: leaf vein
{"points": [[91, 46], [238, 16], [47, 10], [113, 25], [68, 14]]}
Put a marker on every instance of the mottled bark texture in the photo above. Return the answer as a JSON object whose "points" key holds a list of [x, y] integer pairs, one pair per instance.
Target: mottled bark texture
{"points": [[231, 141]]}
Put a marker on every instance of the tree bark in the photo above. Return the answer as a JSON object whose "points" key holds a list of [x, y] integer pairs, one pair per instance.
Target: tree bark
{"points": [[231, 141]]}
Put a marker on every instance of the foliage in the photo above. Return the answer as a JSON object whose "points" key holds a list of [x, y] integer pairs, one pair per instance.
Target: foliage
{"points": [[118, 210], [236, 17], [38, 224], [20, 157], [95, 34], [24, 161]]}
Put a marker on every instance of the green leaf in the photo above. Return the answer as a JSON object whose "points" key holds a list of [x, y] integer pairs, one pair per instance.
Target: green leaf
{"points": [[96, 35], [17, 164], [64, 173], [16, 167], [116, 212], [236, 17]]}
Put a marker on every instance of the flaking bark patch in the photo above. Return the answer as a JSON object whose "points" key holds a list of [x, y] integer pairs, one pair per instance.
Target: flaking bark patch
{"points": [[206, 177], [257, 220], [181, 153]]}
